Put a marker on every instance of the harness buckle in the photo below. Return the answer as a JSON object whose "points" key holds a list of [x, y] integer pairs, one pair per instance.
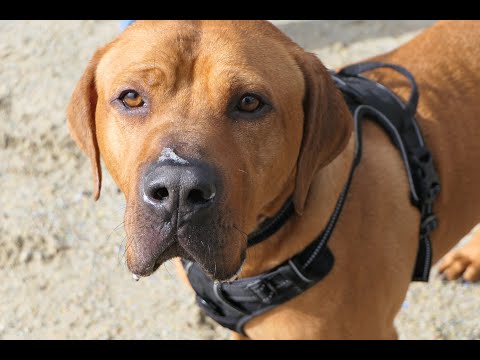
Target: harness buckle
{"points": [[427, 180], [264, 290], [428, 224]]}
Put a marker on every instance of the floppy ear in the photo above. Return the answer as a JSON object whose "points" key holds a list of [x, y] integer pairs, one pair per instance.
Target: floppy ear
{"points": [[81, 119], [327, 125]]}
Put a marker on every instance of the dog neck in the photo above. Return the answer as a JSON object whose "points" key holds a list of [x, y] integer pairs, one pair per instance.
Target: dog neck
{"points": [[299, 231]]}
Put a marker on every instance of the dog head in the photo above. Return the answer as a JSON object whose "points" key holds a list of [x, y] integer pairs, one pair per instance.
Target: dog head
{"points": [[207, 127]]}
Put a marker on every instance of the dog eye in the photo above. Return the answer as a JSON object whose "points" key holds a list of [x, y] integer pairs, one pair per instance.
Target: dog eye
{"points": [[249, 103], [132, 99]]}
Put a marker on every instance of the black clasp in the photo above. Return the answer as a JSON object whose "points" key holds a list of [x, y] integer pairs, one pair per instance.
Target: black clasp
{"points": [[264, 290], [429, 223], [426, 178]]}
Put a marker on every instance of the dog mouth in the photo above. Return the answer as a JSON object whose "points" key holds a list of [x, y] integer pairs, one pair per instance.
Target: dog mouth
{"points": [[209, 239], [171, 251], [220, 268]]}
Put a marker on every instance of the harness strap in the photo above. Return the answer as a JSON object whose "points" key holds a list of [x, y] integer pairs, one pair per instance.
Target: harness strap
{"points": [[411, 107], [398, 119], [272, 225], [232, 304]]}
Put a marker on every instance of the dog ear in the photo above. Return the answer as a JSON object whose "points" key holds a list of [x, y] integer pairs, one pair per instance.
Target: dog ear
{"points": [[81, 119], [327, 125]]}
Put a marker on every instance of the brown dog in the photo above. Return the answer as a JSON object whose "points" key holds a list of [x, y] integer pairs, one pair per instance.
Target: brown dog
{"points": [[253, 118]]}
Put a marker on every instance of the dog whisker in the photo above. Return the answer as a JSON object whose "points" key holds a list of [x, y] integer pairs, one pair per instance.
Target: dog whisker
{"points": [[168, 271], [240, 231]]}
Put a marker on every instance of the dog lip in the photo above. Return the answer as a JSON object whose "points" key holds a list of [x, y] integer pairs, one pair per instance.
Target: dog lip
{"points": [[212, 275], [237, 274], [142, 270], [169, 252]]}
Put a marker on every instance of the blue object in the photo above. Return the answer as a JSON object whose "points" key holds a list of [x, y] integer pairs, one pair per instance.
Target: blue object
{"points": [[125, 23]]}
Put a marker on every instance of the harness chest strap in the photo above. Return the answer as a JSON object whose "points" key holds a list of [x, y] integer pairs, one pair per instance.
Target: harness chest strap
{"points": [[398, 120], [232, 304]]}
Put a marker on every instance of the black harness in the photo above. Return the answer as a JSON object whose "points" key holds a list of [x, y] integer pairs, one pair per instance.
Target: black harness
{"points": [[234, 303]]}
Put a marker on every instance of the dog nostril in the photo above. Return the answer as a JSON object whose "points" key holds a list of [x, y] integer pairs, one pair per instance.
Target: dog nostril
{"points": [[197, 196], [160, 194]]}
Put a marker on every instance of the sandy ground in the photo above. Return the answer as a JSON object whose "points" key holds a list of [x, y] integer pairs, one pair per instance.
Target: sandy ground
{"points": [[61, 255]]}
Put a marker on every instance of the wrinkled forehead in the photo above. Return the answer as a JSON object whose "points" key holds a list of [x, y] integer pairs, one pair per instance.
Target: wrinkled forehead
{"points": [[157, 50]]}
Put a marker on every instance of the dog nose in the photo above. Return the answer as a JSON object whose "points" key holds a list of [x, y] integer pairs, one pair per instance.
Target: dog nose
{"points": [[179, 187]]}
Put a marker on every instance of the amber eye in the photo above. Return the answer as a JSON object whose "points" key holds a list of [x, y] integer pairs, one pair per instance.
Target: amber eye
{"points": [[249, 103], [132, 99]]}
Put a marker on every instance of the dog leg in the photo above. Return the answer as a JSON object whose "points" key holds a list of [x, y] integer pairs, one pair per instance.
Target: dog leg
{"points": [[463, 262]]}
